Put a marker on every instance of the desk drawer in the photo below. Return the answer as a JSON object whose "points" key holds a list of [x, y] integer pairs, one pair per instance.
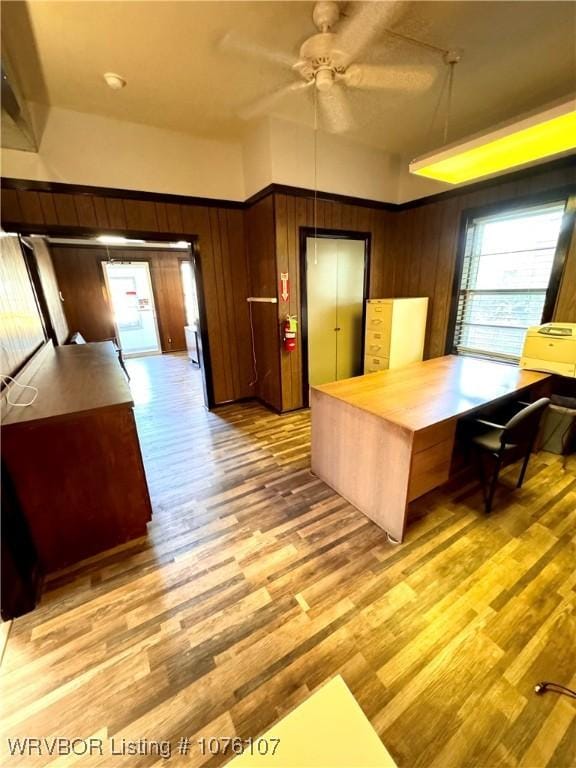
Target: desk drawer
{"points": [[373, 363], [377, 343], [430, 468]]}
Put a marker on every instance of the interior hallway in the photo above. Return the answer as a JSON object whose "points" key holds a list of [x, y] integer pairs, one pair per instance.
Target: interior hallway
{"points": [[258, 583]]}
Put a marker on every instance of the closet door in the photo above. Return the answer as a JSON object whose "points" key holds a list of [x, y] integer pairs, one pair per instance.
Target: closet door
{"points": [[321, 288], [349, 306]]}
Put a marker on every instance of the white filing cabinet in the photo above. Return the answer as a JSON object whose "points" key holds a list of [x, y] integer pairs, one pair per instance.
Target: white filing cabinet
{"points": [[394, 333]]}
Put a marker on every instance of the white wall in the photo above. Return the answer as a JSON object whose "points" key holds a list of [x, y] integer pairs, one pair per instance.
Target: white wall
{"points": [[344, 167], [80, 148], [257, 157]]}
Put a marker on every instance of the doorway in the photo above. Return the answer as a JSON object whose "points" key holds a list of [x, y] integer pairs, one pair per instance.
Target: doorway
{"points": [[335, 284], [191, 329], [134, 313]]}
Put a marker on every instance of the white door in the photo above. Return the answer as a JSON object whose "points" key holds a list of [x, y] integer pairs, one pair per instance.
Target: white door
{"points": [[335, 300], [130, 291], [349, 308]]}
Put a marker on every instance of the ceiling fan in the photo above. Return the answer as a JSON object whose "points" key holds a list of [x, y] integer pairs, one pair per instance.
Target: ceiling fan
{"points": [[327, 62]]}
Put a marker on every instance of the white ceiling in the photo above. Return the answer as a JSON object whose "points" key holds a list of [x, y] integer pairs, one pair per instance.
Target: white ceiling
{"points": [[516, 56]]}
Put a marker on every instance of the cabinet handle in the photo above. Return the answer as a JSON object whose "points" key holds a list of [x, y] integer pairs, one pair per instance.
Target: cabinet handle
{"points": [[337, 329]]}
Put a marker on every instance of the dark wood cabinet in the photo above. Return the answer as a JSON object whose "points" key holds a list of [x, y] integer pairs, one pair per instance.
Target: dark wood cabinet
{"points": [[21, 573], [73, 456]]}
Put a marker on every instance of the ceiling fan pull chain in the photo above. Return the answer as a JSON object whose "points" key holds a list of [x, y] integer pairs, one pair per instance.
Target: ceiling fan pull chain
{"points": [[448, 102]]}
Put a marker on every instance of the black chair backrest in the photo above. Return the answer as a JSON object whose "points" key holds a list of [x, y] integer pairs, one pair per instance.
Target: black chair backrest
{"points": [[521, 429]]}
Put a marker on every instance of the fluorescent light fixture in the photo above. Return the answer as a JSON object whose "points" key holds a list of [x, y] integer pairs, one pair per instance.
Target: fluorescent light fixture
{"points": [[116, 240], [536, 137]]}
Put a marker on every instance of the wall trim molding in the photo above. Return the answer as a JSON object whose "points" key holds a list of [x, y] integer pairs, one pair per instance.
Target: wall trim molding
{"points": [[333, 197], [30, 185], [282, 189]]}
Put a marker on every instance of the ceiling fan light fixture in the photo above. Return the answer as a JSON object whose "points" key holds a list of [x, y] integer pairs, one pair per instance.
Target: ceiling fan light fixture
{"points": [[324, 79], [538, 136]]}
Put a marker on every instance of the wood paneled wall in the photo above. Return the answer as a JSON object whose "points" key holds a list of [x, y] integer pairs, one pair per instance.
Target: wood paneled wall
{"points": [[220, 236], [21, 328], [81, 281], [225, 280], [261, 250], [243, 252], [424, 248], [50, 288], [86, 301], [291, 213]]}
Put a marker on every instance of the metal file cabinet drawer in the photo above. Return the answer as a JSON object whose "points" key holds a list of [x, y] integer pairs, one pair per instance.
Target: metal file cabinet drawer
{"points": [[379, 317], [377, 343], [373, 363]]}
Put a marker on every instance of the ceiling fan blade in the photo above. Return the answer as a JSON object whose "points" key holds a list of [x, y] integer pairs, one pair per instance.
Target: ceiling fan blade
{"points": [[336, 114], [262, 105], [414, 79], [233, 43], [366, 23]]}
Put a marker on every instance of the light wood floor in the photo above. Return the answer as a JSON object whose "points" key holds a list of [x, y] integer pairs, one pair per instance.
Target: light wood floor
{"points": [[258, 583]]}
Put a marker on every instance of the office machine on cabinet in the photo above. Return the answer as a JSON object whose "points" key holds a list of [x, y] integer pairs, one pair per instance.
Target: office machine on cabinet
{"points": [[550, 348], [395, 332]]}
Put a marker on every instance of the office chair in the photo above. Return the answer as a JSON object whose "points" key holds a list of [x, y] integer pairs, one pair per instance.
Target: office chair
{"points": [[503, 440]]}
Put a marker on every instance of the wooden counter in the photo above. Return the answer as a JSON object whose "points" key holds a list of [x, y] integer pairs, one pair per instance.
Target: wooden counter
{"points": [[383, 439], [74, 456]]}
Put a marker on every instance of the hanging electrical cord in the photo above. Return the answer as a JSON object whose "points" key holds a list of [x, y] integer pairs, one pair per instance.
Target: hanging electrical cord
{"points": [[541, 688], [437, 107], [315, 176], [451, 58], [420, 43], [254, 362], [451, 63], [5, 378]]}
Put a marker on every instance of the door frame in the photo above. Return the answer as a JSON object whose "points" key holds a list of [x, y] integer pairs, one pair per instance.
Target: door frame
{"points": [[38, 289], [329, 234], [104, 263]]}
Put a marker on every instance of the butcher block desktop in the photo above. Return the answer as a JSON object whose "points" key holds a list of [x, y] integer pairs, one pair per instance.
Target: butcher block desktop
{"points": [[384, 439], [73, 455]]}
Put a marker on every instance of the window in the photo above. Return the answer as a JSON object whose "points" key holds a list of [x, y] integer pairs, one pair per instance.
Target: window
{"points": [[506, 271]]}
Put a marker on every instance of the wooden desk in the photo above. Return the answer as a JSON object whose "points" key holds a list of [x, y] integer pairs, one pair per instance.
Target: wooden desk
{"points": [[384, 439], [74, 456]]}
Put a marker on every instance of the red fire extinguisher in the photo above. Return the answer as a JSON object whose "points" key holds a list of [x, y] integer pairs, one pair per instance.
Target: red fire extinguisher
{"points": [[289, 329]]}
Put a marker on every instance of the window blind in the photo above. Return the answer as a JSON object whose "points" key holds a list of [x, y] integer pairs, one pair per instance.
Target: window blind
{"points": [[505, 275]]}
